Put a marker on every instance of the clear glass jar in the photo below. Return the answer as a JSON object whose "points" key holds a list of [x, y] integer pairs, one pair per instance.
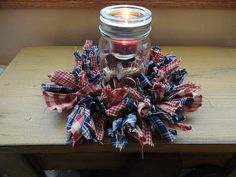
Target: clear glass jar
{"points": [[124, 41]]}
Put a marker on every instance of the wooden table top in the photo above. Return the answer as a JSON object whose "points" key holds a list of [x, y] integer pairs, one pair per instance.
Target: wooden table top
{"points": [[27, 126]]}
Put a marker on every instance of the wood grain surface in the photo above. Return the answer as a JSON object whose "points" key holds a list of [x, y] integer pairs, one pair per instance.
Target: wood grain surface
{"points": [[27, 126], [101, 3]]}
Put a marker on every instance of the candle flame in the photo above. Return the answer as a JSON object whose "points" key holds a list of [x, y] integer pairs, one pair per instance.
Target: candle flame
{"points": [[126, 14]]}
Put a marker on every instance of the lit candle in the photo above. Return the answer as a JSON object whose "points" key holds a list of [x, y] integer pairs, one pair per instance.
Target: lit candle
{"points": [[124, 47], [126, 28]]}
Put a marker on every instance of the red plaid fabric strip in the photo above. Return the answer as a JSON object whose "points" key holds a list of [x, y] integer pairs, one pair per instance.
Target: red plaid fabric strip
{"points": [[89, 89], [158, 91], [143, 109], [59, 101], [172, 66], [116, 110], [188, 85], [136, 95], [169, 106], [143, 135], [97, 124], [148, 135], [137, 134], [63, 78], [118, 95], [162, 76], [76, 126], [83, 79], [88, 45], [184, 127], [156, 55], [93, 61], [113, 97], [106, 93], [182, 93], [195, 105]]}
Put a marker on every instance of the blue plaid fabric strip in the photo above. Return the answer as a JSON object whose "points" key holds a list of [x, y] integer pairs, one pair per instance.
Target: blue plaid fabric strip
{"points": [[178, 76], [178, 118], [144, 83], [77, 55], [130, 103], [130, 120], [86, 130], [169, 58], [56, 88], [71, 116], [160, 127], [86, 66], [117, 134], [76, 73]]}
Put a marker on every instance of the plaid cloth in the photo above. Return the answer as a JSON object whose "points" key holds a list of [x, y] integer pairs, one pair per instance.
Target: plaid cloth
{"points": [[178, 118], [106, 94], [184, 127], [59, 101], [130, 120], [158, 75], [188, 85], [88, 89], [63, 78], [88, 45], [151, 105], [86, 66], [169, 58], [178, 76], [111, 98], [118, 95], [194, 105], [156, 54], [50, 87], [71, 117], [97, 124], [76, 72], [116, 110], [160, 127], [169, 106], [86, 129], [183, 93], [147, 134], [137, 133], [83, 79], [117, 134], [170, 67], [143, 81], [158, 92], [93, 62], [143, 109], [78, 56], [76, 126], [136, 94]]}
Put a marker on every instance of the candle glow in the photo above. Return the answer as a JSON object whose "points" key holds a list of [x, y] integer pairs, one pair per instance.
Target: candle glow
{"points": [[125, 29]]}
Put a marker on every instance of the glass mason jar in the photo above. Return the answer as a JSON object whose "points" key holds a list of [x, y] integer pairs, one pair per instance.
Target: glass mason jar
{"points": [[124, 41]]}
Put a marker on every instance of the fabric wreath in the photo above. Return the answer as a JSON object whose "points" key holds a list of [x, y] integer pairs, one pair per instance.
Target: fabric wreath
{"points": [[154, 107]]}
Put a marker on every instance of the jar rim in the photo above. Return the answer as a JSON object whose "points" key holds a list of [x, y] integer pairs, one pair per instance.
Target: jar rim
{"points": [[137, 16], [125, 21]]}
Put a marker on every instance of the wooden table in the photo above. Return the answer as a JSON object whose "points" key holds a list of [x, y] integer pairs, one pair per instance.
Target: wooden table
{"points": [[31, 133]]}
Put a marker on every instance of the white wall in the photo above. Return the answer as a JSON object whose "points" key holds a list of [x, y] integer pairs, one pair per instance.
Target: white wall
{"points": [[32, 27]]}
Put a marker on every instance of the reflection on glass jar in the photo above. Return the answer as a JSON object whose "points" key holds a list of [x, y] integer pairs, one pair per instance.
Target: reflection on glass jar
{"points": [[124, 44]]}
